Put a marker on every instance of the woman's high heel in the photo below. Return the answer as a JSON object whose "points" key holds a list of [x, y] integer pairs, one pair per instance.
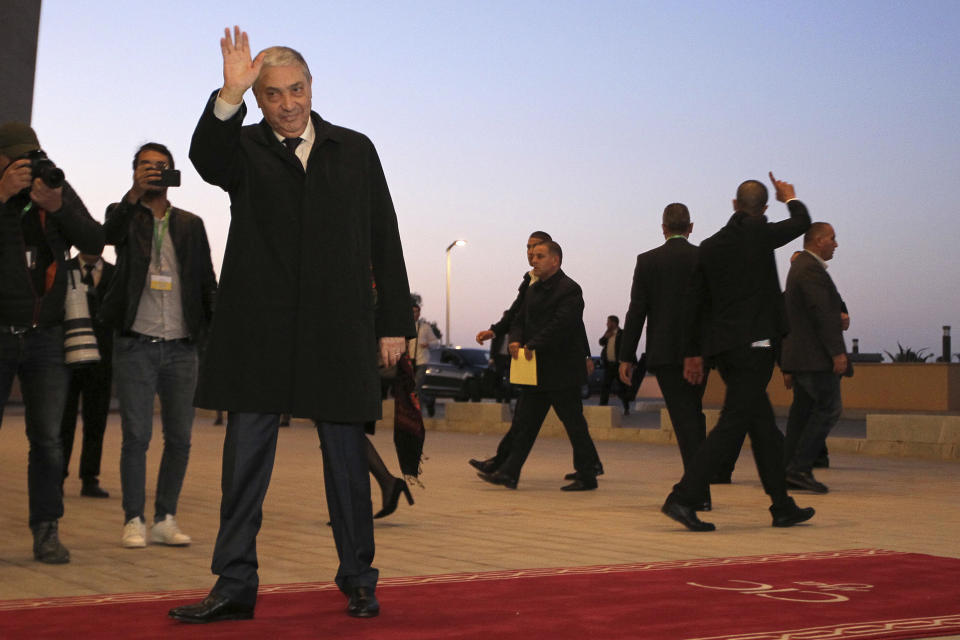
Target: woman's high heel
{"points": [[390, 503]]}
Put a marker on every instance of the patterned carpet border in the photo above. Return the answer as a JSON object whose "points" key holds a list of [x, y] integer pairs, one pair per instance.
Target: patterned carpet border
{"points": [[510, 574], [874, 629]]}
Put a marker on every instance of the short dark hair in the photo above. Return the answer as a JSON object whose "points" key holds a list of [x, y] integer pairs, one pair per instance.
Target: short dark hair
{"points": [[553, 249], [752, 196], [541, 235], [153, 146], [816, 230], [615, 319], [676, 217]]}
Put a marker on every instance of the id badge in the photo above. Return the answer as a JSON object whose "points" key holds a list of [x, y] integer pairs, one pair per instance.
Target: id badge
{"points": [[161, 281]]}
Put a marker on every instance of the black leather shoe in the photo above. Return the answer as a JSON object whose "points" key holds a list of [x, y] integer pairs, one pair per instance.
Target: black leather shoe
{"points": [[390, 502], [684, 515], [91, 489], [597, 471], [362, 603], [805, 481], [791, 515], [213, 608], [486, 466], [498, 477], [582, 483], [46, 544]]}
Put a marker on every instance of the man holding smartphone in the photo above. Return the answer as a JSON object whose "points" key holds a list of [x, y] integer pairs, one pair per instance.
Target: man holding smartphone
{"points": [[160, 304]]}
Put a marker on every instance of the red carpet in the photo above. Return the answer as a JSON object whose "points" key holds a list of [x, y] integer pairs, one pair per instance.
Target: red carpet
{"points": [[862, 594]]}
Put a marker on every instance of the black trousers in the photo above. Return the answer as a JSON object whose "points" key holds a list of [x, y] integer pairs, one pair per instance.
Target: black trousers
{"points": [[746, 371], [685, 405], [532, 408], [611, 382], [249, 448], [90, 387]]}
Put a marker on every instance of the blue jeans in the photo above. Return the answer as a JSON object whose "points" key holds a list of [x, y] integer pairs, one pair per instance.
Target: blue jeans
{"points": [[143, 370], [815, 410], [36, 357]]}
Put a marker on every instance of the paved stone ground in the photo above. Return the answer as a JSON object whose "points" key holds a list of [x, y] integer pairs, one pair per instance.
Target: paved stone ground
{"points": [[460, 523]]}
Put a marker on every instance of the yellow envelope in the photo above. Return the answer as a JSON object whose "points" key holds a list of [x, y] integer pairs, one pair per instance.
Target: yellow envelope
{"points": [[523, 371]]}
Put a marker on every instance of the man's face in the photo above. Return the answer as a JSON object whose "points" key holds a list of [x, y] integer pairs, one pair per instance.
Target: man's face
{"points": [[416, 313], [284, 96], [826, 244], [543, 262], [611, 325], [151, 159], [531, 244]]}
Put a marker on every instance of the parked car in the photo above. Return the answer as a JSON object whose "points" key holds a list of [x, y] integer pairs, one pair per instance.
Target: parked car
{"points": [[594, 380], [461, 374]]}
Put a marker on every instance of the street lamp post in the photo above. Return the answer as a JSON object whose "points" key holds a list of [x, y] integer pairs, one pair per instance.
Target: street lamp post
{"points": [[455, 243]]}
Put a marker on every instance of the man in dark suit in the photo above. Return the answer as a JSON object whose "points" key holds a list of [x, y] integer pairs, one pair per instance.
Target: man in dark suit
{"points": [[814, 356], [90, 382], [735, 298], [549, 323], [656, 297], [312, 228], [610, 357]]}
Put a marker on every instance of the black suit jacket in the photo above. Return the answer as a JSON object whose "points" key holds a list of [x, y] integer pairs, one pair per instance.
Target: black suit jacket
{"points": [[813, 308], [660, 281], [735, 291], [550, 322]]}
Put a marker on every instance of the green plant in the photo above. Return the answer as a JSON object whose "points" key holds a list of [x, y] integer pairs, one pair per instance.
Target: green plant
{"points": [[909, 355]]}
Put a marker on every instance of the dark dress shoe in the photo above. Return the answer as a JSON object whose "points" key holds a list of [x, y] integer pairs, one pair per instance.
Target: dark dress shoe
{"points": [[92, 490], [486, 466], [597, 471], [790, 515], [362, 603], [498, 477], [582, 483], [213, 608], [805, 481], [684, 515], [47, 547], [390, 502]]}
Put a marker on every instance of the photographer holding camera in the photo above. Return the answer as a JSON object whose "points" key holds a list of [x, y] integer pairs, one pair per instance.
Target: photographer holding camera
{"points": [[41, 217], [160, 303]]}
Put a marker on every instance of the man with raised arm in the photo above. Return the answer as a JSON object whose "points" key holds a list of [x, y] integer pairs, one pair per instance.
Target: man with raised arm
{"points": [[312, 227]]}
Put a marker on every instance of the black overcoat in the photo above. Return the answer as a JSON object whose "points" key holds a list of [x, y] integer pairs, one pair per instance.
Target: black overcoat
{"points": [[295, 329]]}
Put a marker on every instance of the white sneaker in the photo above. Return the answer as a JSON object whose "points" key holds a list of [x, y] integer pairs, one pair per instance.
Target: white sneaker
{"points": [[134, 534], [167, 532]]}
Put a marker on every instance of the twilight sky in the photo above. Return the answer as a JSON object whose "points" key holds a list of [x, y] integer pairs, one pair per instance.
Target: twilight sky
{"points": [[584, 119]]}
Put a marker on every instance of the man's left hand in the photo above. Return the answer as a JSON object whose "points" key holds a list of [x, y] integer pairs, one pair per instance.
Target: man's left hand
{"points": [[840, 364], [43, 196], [391, 349], [590, 367]]}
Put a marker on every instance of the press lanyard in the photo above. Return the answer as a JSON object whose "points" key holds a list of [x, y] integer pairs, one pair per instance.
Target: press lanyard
{"points": [[160, 230]]}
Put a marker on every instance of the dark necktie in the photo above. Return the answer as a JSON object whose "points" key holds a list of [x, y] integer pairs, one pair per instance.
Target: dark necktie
{"points": [[87, 277], [292, 144]]}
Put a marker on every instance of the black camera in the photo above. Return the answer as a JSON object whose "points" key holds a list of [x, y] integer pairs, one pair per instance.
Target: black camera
{"points": [[42, 167], [168, 177]]}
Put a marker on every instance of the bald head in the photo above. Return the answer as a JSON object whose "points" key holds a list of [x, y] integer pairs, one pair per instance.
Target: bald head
{"points": [[751, 197]]}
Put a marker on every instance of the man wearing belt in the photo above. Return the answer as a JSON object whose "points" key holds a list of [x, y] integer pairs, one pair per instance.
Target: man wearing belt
{"points": [[38, 224], [160, 303]]}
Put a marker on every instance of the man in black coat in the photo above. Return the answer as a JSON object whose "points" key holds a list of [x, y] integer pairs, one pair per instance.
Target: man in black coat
{"points": [[296, 330], [735, 298], [660, 280], [91, 382], [814, 356], [549, 324], [610, 343], [39, 222], [499, 332]]}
